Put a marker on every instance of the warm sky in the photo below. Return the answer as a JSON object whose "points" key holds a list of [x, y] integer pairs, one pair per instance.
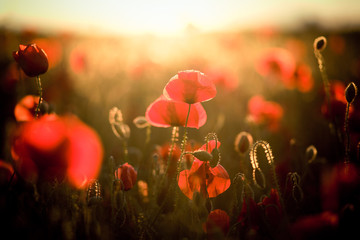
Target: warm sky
{"points": [[171, 17]]}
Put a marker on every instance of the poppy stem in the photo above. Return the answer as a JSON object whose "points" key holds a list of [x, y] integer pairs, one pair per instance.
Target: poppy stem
{"points": [[38, 83], [347, 132]]}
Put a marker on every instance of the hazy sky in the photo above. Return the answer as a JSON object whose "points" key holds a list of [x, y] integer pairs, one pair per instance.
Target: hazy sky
{"points": [[168, 17]]}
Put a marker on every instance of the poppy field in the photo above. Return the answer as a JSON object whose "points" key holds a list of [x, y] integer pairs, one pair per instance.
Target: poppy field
{"points": [[224, 135]]}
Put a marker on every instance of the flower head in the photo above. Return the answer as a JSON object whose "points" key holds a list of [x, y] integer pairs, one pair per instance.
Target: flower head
{"points": [[204, 179], [127, 175], [61, 148], [190, 86], [166, 113], [32, 60], [265, 112], [217, 221]]}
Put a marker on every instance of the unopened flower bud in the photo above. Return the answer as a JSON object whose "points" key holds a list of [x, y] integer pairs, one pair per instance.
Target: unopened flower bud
{"points": [[350, 92], [202, 155], [320, 43], [32, 60], [94, 194], [141, 122], [243, 142], [311, 153]]}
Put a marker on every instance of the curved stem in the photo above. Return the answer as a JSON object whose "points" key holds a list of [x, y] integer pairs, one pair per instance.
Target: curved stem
{"points": [[38, 83]]}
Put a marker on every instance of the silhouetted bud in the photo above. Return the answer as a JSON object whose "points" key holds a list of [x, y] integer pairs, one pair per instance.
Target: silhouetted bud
{"points": [[350, 92], [320, 43], [243, 142]]}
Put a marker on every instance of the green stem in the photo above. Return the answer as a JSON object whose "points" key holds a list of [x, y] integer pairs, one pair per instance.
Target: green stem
{"points": [[38, 83], [184, 141]]}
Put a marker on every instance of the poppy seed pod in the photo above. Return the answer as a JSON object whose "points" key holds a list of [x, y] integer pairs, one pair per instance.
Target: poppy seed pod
{"points": [[320, 43], [350, 92], [32, 60]]}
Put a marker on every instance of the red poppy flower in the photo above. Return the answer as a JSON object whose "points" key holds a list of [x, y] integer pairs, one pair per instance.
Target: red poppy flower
{"points": [[204, 179], [57, 148], [250, 215], [303, 78], [32, 60], [337, 101], [265, 112], [25, 108], [272, 207], [222, 77], [190, 86], [166, 113], [314, 225], [127, 175], [278, 63], [53, 49], [163, 152], [217, 221]]}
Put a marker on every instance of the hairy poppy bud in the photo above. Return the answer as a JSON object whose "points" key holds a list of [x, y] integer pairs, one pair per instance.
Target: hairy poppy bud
{"points": [[202, 155], [320, 43], [32, 59], [94, 192], [243, 142], [350, 92]]}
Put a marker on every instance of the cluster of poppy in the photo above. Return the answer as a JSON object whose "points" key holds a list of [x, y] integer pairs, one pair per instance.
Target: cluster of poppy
{"points": [[51, 147]]}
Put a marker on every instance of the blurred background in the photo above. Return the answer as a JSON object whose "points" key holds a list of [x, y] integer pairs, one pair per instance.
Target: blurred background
{"points": [[122, 53]]}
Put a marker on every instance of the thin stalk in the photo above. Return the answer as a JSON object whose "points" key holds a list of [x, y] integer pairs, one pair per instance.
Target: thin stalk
{"points": [[347, 132], [37, 110]]}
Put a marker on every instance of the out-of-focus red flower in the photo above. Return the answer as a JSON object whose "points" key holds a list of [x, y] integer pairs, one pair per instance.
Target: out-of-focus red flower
{"points": [[6, 173], [127, 175], [303, 79], [338, 183], [314, 225], [223, 78], [337, 101], [53, 49], [265, 112], [25, 108], [190, 86], [166, 113], [204, 179], [272, 207], [78, 60], [163, 159], [218, 221], [277, 63], [32, 59], [250, 215], [53, 147]]}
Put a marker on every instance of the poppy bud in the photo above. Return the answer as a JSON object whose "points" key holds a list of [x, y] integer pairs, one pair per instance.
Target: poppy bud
{"points": [[94, 195], [350, 92], [126, 174], [32, 59], [311, 153], [320, 43], [215, 157], [141, 122], [202, 155], [243, 142]]}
